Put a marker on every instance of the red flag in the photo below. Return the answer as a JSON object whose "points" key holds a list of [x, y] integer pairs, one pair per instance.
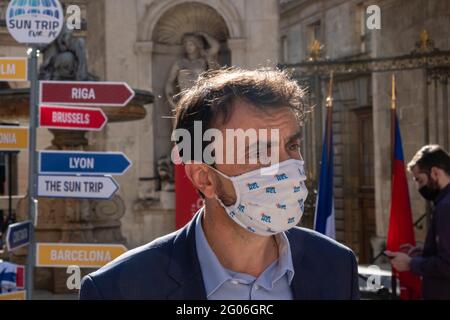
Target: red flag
{"points": [[401, 229]]}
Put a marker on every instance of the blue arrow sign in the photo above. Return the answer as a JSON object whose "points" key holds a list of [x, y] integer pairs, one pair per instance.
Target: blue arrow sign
{"points": [[18, 235], [85, 163]]}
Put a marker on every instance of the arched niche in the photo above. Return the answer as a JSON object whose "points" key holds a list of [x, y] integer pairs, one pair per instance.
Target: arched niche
{"points": [[158, 46]]}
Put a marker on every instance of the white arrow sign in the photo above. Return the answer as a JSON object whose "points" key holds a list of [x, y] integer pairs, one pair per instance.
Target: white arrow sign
{"points": [[77, 187]]}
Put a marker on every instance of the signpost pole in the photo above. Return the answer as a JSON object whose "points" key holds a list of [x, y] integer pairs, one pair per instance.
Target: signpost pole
{"points": [[10, 215], [32, 168]]}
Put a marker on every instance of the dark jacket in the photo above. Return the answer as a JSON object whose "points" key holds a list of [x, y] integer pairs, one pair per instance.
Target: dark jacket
{"points": [[168, 268], [434, 264]]}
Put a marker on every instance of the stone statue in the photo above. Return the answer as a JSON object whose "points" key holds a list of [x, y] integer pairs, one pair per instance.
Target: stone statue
{"points": [[200, 55], [65, 59]]}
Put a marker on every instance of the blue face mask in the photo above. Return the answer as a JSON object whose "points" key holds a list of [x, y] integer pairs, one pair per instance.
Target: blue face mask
{"points": [[269, 200]]}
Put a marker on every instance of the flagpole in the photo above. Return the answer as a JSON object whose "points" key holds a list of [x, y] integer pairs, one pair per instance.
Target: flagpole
{"points": [[329, 108], [393, 116], [323, 205]]}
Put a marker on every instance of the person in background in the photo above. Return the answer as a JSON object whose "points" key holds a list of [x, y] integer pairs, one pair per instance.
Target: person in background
{"points": [[430, 168]]}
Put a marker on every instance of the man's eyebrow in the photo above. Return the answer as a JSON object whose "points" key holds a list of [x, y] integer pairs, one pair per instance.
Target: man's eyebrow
{"points": [[297, 135]]}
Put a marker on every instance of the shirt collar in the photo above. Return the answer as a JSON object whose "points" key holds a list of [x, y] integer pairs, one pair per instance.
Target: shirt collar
{"points": [[214, 274]]}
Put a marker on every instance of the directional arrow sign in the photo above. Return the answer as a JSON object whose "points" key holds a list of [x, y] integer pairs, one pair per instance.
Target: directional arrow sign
{"points": [[72, 118], [85, 93], [84, 255], [77, 187], [13, 69], [13, 138], [18, 235], [80, 162]]}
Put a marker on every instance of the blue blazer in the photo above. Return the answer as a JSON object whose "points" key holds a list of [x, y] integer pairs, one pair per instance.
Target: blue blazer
{"points": [[168, 268]]}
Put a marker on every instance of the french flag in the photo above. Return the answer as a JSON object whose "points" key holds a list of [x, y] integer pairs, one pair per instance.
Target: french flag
{"points": [[324, 216]]}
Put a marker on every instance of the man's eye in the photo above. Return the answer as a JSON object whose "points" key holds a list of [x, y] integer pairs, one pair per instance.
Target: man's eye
{"points": [[294, 146]]}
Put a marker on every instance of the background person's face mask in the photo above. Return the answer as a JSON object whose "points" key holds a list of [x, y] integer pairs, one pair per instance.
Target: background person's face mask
{"points": [[431, 190], [269, 200]]}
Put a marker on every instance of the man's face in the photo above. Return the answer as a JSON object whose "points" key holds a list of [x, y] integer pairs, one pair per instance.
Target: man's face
{"points": [[420, 178], [427, 185], [246, 116]]}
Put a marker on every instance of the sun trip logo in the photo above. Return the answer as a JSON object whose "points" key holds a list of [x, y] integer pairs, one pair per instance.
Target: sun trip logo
{"points": [[291, 220], [34, 21], [281, 206], [252, 186], [270, 190], [281, 176], [265, 218], [241, 208], [296, 189]]}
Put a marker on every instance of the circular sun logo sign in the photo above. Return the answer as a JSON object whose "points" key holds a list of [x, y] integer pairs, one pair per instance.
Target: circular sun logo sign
{"points": [[34, 21]]}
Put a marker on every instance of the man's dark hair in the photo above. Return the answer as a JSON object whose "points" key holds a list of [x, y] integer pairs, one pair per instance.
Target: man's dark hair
{"points": [[431, 156], [216, 92]]}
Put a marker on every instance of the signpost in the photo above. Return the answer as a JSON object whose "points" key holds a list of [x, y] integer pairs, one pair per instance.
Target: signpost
{"points": [[92, 187], [72, 118], [83, 162], [79, 254], [86, 93], [13, 138], [18, 235], [13, 69], [36, 23]]}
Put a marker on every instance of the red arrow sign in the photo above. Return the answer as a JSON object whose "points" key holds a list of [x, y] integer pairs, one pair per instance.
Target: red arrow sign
{"points": [[85, 93], [72, 118]]}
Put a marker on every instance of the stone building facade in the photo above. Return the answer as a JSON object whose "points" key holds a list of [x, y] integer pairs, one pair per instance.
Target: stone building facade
{"points": [[361, 117]]}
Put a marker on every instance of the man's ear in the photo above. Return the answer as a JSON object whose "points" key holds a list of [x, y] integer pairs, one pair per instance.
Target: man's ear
{"points": [[434, 173], [201, 178]]}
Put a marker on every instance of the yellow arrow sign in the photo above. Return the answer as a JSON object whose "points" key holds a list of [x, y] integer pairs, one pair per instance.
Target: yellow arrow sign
{"points": [[17, 295], [13, 69], [79, 254], [13, 138]]}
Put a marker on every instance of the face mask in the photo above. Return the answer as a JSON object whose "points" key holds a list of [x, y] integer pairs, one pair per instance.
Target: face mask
{"points": [[269, 200], [429, 191]]}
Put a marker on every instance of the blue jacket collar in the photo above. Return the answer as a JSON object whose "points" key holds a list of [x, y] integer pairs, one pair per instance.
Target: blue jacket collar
{"points": [[185, 269]]}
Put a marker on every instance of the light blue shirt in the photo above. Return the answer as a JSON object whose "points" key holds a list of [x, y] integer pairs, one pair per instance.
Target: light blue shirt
{"points": [[223, 284]]}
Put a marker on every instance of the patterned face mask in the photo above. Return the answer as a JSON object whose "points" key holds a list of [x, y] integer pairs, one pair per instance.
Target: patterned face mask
{"points": [[269, 200]]}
